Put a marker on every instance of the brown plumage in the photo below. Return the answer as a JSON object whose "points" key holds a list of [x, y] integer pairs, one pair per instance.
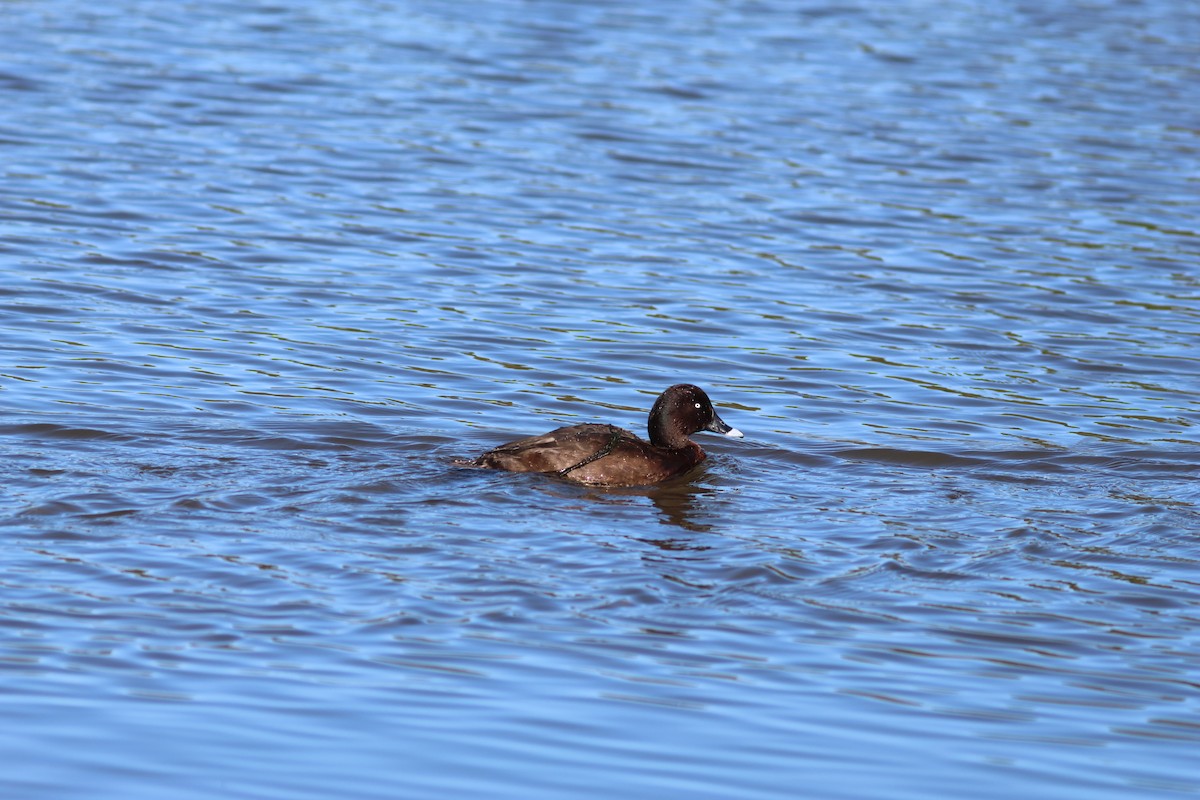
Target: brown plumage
{"points": [[605, 455]]}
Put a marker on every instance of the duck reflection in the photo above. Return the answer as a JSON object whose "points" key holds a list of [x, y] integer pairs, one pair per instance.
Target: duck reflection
{"points": [[679, 504]]}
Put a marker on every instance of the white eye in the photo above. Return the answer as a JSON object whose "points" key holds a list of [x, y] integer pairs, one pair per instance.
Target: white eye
{"points": [[697, 405]]}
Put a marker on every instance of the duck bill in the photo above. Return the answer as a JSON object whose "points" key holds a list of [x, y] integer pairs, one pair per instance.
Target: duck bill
{"points": [[718, 426]]}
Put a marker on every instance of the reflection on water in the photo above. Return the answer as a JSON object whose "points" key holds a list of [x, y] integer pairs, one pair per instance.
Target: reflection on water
{"points": [[680, 502], [267, 270]]}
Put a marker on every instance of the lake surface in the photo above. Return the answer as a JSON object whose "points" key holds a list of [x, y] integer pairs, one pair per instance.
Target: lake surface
{"points": [[268, 268]]}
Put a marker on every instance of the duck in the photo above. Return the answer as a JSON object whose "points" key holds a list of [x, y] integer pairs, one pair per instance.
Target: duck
{"points": [[606, 455]]}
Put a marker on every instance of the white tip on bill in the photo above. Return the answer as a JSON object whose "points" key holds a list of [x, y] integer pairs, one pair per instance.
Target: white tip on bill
{"points": [[734, 432]]}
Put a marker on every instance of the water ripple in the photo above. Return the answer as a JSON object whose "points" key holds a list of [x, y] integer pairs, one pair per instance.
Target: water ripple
{"points": [[269, 269]]}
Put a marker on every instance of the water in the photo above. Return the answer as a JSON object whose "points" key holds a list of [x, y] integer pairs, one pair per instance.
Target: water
{"points": [[268, 268]]}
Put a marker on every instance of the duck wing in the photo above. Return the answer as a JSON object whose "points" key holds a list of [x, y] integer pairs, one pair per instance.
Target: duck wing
{"points": [[560, 449]]}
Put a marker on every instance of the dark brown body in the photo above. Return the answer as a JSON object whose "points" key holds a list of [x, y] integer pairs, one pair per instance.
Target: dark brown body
{"points": [[630, 460], [605, 455]]}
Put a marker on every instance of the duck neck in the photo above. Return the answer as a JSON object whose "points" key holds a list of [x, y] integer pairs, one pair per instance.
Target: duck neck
{"points": [[663, 434]]}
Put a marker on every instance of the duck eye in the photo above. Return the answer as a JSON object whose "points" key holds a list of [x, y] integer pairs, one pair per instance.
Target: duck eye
{"points": [[697, 405]]}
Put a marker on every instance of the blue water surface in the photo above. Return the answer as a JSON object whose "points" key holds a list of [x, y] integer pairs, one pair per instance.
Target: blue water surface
{"points": [[267, 269]]}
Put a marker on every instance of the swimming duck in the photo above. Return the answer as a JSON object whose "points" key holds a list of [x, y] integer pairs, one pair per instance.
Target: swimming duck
{"points": [[605, 455]]}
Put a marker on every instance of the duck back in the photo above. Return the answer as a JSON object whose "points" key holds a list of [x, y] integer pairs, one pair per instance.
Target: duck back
{"points": [[600, 455]]}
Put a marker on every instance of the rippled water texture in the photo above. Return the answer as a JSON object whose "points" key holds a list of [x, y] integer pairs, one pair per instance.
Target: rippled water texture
{"points": [[267, 268]]}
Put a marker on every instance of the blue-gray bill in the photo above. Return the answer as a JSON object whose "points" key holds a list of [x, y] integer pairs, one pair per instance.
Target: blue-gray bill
{"points": [[719, 425]]}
